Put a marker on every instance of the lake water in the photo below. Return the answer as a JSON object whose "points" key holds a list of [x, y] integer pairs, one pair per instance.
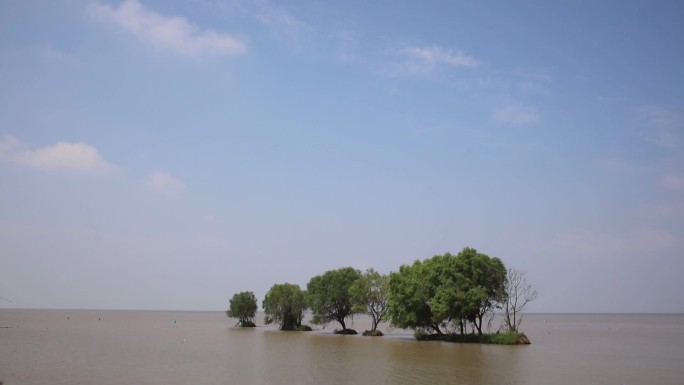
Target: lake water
{"points": [[147, 347]]}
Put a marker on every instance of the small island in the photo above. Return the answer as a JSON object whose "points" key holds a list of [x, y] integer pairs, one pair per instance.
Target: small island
{"points": [[444, 298]]}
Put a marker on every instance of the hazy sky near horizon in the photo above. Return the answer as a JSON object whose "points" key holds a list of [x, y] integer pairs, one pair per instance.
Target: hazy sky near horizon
{"points": [[168, 154]]}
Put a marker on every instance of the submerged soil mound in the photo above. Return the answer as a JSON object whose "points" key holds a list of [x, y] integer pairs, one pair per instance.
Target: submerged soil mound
{"points": [[373, 333], [346, 331], [510, 338], [522, 340]]}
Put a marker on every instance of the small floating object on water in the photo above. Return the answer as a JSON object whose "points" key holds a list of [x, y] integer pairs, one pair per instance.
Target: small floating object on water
{"points": [[544, 321], [174, 321], [99, 318], [67, 318]]}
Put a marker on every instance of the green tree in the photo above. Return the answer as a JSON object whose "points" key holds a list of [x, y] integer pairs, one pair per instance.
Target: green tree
{"points": [[329, 295], [482, 285], [369, 296], [285, 304], [420, 293], [243, 306], [445, 292]]}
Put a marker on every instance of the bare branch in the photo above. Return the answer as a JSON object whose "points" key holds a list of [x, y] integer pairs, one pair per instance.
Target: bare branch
{"points": [[519, 293]]}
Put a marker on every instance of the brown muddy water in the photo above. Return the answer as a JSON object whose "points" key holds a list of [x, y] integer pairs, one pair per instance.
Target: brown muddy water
{"points": [[148, 347]]}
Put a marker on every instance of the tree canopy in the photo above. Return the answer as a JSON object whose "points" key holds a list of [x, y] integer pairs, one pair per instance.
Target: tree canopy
{"points": [[483, 285], [446, 291], [414, 301], [369, 296], [243, 306], [285, 304], [329, 295]]}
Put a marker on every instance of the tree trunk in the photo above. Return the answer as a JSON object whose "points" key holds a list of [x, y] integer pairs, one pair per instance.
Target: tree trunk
{"points": [[436, 328], [479, 325], [375, 323]]}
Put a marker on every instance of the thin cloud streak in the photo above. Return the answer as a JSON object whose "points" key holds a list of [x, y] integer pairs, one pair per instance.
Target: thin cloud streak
{"points": [[517, 115], [614, 164], [421, 61], [674, 181], [660, 125], [645, 241], [173, 34]]}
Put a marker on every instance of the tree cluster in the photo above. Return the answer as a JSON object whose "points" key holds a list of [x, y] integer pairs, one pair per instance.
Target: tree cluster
{"points": [[446, 293], [443, 294]]}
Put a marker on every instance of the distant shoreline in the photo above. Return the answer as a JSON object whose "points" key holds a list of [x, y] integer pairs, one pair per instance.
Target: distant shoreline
{"points": [[260, 311]]}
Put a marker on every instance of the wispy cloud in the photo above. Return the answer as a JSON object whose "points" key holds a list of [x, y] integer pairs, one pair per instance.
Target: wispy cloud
{"points": [[263, 11], [517, 115], [613, 164], [610, 99], [674, 181], [165, 184], [424, 60], [269, 14], [168, 33], [591, 244], [660, 125], [62, 156], [55, 56]]}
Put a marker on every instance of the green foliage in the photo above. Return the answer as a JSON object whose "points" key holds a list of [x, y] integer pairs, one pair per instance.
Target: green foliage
{"points": [[446, 291], [285, 304], [422, 294], [483, 286], [369, 296], [329, 295], [243, 306]]}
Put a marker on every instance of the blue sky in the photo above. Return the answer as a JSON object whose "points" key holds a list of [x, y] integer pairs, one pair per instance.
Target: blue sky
{"points": [[167, 154]]}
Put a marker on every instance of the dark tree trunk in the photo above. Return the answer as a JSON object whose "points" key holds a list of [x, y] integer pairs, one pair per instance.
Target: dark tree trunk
{"points": [[290, 323], [375, 323], [478, 325], [437, 329]]}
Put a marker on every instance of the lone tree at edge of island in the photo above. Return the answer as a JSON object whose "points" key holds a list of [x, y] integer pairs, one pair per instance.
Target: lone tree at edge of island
{"points": [[243, 306]]}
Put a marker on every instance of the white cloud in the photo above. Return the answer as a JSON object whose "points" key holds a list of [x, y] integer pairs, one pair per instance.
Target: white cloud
{"points": [[163, 183], [423, 60], [517, 115], [173, 34], [62, 156]]}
